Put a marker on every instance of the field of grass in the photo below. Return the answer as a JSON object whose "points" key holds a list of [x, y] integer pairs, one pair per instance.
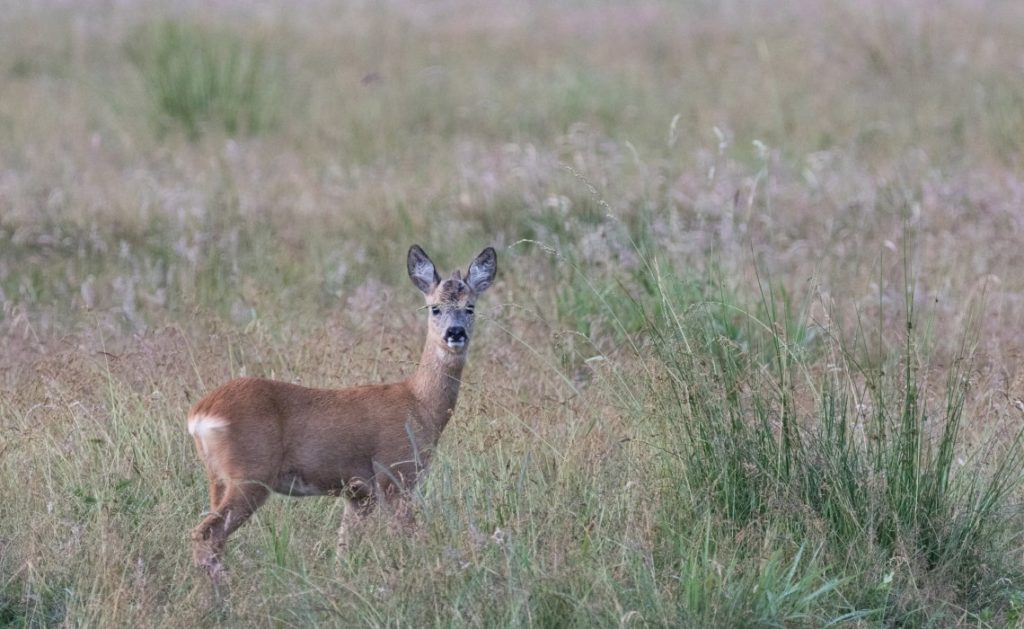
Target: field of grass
{"points": [[753, 358]]}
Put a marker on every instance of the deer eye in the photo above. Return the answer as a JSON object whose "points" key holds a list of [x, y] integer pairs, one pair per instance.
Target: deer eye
{"points": [[434, 310], [469, 309]]}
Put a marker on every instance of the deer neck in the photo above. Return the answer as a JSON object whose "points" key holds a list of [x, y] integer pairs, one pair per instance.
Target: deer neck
{"points": [[436, 383]]}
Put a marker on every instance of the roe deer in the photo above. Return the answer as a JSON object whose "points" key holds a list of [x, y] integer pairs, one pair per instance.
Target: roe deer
{"points": [[365, 443]]}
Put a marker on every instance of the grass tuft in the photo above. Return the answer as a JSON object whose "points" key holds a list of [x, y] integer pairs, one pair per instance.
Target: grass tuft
{"points": [[197, 76], [875, 486]]}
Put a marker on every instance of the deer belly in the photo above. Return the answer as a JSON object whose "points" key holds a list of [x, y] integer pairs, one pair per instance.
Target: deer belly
{"points": [[294, 484]]}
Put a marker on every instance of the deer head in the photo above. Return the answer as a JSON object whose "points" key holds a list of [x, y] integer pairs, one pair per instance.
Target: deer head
{"points": [[451, 302]]}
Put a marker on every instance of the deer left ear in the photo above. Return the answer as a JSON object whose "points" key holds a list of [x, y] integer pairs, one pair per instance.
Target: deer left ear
{"points": [[482, 271]]}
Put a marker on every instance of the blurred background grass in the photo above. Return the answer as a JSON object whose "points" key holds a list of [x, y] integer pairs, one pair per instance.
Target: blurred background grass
{"points": [[694, 398]]}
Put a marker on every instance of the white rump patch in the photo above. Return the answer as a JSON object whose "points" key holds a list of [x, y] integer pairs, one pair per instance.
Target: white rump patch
{"points": [[203, 427]]}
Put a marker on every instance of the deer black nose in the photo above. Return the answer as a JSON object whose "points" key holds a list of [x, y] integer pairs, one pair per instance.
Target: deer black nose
{"points": [[455, 333]]}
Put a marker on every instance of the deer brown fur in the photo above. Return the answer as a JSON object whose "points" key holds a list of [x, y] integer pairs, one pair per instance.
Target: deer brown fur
{"points": [[366, 444]]}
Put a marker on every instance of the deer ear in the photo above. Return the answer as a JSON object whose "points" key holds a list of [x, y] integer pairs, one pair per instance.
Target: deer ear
{"points": [[421, 270], [482, 271]]}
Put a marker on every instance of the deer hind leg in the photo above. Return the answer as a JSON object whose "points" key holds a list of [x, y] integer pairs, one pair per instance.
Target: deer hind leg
{"points": [[236, 503], [217, 489]]}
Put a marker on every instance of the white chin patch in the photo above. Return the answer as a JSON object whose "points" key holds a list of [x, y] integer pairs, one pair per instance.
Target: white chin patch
{"points": [[456, 344]]}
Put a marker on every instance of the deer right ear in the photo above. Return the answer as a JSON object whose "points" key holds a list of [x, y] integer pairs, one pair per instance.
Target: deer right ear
{"points": [[421, 270]]}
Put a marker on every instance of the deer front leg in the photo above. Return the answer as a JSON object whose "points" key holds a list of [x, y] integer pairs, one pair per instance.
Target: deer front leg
{"points": [[359, 503], [397, 503], [395, 488]]}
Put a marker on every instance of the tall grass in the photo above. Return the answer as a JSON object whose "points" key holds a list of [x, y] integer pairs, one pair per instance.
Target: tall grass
{"points": [[711, 473], [720, 407], [868, 471]]}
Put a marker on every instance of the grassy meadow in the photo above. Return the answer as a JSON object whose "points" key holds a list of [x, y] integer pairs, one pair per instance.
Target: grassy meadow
{"points": [[754, 355]]}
